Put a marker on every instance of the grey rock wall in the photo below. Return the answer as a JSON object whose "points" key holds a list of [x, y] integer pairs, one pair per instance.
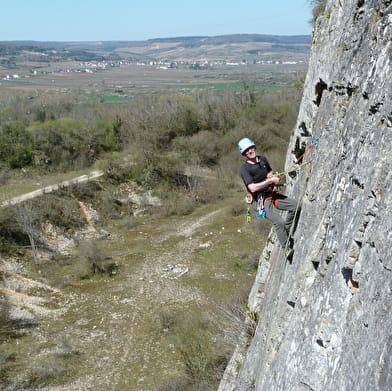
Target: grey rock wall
{"points": [[325, 319]]}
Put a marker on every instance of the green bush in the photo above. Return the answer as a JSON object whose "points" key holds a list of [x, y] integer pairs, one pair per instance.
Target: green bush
{"points": [[318, 9], [105, 136], [61, 143], [16, 146], [68, 143]]}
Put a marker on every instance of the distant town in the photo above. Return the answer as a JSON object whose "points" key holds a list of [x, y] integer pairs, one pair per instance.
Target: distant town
{"points": [[97, 66]]}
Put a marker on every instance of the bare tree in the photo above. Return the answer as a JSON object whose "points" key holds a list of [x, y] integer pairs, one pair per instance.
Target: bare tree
{"points": [[26, 221]]}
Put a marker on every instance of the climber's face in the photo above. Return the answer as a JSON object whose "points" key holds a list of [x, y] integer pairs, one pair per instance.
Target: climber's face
{"points": [[250, 153]]}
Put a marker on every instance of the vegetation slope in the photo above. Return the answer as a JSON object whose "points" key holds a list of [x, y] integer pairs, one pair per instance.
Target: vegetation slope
{"points": [[154, 297]]}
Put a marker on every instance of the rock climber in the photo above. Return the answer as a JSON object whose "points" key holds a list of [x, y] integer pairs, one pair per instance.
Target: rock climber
{"points": [[260, 181]]}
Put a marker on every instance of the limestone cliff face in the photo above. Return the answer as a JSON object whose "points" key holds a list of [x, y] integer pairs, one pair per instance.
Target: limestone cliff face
{"points": [[326, 318]]}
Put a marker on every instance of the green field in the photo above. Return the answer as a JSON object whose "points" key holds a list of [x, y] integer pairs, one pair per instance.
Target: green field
{"points": [[225, 86], [134, 80], [107, 98]]}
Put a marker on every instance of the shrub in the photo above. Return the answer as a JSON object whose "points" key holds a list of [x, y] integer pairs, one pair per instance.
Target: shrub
{"points": [[10, 231], [90, 260], [158, 168], [16, 148], [201, 364], [50, 368], [210, 191], [318, 9], [168, 319], [62, 143], [178, 204], [203, 147], [204, 360], [60, 211], [5, 176], [220, 111], [116, 171], [105, 136], [253, 262], [110, 207], [45, 372], [88, 191], [238, 209]]}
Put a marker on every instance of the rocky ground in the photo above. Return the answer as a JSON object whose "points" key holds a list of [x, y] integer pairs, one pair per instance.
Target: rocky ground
{"points": [[109, 333]]}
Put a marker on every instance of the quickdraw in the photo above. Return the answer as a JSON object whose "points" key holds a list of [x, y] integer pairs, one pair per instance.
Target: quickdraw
{"points": [[248, 200], [261, 213]]}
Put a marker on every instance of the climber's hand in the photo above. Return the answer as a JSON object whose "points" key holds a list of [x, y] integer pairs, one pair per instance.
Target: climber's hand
{"points": [[274, 180]]}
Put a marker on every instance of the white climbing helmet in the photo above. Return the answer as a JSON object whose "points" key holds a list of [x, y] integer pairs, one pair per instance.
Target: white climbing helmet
{"points": [[245, 144]]}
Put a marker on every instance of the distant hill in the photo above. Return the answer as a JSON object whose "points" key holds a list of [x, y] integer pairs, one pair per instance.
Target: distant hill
{"points": [[235, 46]]}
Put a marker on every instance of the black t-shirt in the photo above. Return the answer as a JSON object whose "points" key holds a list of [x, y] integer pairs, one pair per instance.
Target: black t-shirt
{"points": [[254, 173]]}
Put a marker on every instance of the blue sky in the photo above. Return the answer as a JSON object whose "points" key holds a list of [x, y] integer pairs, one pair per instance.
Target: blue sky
{"points": [[98, 20]]}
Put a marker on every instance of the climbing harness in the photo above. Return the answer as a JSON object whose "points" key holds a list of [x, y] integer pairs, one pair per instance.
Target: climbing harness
{"points": [[274, 197]]}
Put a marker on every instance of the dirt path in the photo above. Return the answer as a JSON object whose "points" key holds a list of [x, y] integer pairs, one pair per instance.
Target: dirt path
{"points": [[205, 173], [48, 189], [108, 322]]}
